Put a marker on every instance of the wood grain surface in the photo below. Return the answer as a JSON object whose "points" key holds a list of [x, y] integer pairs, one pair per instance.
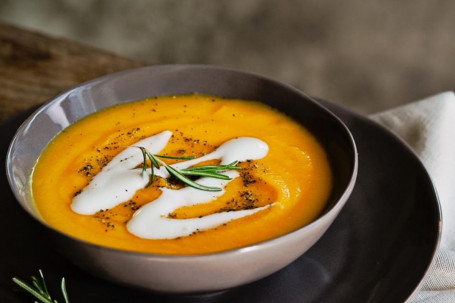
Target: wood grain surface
{"points": [[35, 68]]}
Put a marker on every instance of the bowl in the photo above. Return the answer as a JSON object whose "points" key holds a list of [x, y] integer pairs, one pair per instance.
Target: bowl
{"points": [[184, 274]]}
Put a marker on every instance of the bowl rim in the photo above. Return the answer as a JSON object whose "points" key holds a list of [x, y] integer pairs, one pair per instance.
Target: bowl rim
{"points": [[335, 208]]}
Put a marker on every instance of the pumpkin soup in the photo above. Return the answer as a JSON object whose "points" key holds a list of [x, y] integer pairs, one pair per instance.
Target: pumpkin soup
{"points": [[184, 174]]}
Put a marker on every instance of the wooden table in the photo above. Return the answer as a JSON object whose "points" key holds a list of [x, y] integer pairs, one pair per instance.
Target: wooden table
{"points": [[35, 68]]}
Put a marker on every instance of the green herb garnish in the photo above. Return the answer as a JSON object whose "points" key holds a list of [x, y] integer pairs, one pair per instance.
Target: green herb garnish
{"points": [[211, 171], [38, 288]]}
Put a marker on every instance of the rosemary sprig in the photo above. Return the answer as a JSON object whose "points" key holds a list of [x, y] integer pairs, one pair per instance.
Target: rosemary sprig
{"points": [[211, 171], [39, 288]]}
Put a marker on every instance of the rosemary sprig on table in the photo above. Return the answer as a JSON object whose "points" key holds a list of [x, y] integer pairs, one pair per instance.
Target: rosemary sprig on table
{"points": [[211, 171], [38, 288]]}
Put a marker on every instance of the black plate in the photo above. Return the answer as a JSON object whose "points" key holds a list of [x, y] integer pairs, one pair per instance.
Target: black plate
{"points": [[377, 250]]}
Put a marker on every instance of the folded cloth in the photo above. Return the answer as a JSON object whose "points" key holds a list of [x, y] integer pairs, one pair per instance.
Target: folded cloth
{"points": [[428, 126]]}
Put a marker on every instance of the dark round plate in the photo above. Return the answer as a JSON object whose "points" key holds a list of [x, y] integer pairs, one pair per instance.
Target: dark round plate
{"points": [[377, 250]]}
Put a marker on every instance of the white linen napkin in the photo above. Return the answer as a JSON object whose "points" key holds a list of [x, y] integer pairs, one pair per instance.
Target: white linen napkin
{"points": [[428, 126]]}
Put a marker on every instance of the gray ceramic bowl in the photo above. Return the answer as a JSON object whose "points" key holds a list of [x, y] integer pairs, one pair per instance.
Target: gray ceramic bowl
{"points": [[188, 273]]}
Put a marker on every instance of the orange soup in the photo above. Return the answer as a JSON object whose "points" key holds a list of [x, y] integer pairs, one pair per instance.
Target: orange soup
{"points": [[108, 178]]}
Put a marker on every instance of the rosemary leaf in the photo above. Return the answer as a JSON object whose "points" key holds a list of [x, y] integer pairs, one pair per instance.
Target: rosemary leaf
{"points": [[37, 285], [144, 164], [230, 166], [175, 158], [44, 286], [64, 292], [203, 173]]}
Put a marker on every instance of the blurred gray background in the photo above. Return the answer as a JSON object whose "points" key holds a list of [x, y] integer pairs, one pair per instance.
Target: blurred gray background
{"points": [[366, 55]]}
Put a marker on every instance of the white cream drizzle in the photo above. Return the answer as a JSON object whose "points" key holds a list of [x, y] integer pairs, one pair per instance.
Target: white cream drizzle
{"points": [[118, 181]]}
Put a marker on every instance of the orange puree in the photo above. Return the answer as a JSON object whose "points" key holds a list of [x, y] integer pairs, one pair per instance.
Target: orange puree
{"points": [[295, 173]]}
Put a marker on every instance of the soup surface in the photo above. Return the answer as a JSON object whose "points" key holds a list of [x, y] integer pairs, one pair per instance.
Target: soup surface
{"points": [[90, 181]]}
